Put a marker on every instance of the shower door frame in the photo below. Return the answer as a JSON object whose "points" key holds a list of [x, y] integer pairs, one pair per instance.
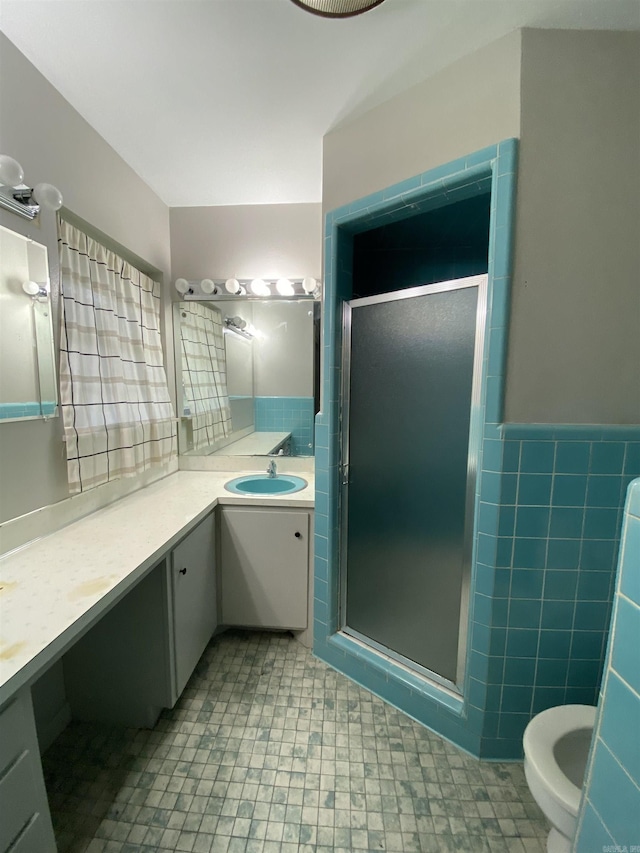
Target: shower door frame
{"points": [[474, 441]]}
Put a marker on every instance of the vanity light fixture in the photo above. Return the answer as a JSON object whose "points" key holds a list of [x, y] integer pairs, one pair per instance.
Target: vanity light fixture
{"points": [[337, 8], [284, 287], [183, 287], [34, 289], [232, 285], [257, 288], [20, 198], [260, 287]]}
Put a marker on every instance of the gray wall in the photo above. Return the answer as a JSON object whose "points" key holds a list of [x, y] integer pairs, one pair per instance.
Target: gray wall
{"points": [[471, 104], [574, 346], [54, 144], [247, 241], [573, 99]]}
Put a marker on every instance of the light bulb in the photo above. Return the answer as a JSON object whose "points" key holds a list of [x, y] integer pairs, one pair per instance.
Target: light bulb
{"points": [[48, 196], [232, 285], [182, 285], [260, 287], [207, 286], [31, 288], [309, 284], [11, 174], [284, 287]]}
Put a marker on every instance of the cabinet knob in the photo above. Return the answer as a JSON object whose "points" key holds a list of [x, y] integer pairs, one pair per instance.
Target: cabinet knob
{"points": [[298, 534], [183, 571]]}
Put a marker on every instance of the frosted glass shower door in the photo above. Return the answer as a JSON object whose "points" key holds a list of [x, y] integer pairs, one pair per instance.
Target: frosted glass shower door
{"points": [[407, 507]]}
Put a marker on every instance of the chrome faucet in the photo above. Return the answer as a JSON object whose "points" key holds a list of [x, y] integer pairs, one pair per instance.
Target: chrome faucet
{"points": [[272, 471]]}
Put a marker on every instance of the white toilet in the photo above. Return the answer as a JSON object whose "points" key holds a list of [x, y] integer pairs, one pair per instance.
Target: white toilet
{"points": [[556, 747]]}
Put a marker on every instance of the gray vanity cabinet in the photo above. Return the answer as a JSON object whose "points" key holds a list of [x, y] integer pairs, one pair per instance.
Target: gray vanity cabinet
{"points": [[25, 823], [264, 559], [193, 583], [119, 671], [137, 659]]}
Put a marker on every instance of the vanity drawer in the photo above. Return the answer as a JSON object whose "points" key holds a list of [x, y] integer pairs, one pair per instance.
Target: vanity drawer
{"points": [[16, 799], [25, 822], [34, 838], [12, 734]]}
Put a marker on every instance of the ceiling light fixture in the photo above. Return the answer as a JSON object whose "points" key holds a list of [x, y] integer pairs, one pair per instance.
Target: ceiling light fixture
{"points": [[337, 8]]}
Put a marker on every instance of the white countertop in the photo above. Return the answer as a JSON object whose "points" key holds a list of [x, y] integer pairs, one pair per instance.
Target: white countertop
{"points": [[254, 444], [53, 589]]}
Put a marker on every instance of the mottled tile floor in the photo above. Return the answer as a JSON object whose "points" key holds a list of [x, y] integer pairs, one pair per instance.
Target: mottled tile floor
{"points": [[271, 750]]}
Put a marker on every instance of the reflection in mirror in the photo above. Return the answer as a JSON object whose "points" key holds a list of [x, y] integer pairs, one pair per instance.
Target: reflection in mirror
{"points": [[263, 377], [27, 357]]}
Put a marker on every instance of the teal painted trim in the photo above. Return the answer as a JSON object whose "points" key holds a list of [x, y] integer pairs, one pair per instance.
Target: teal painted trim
{"points": [[570, 432]]}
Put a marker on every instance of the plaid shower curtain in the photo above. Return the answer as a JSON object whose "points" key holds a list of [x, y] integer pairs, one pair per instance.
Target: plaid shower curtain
{"points": [[117, 413], [204, 373]]}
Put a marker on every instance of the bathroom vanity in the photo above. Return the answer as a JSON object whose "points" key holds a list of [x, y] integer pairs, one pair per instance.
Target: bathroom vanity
{"points": [[130, 596]]}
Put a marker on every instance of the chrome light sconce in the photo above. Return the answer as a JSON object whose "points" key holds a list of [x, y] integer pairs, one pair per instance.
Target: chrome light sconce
{"points": [[21, 199], [35, 289], [337, 8]]}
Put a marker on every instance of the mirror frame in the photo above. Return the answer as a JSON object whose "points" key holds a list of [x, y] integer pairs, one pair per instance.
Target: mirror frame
{"points": [[43, 231]]}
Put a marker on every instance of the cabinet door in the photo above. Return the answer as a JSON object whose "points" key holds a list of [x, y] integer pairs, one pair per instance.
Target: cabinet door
{"points": [[120, 672], [265, 567], [194, 597]]}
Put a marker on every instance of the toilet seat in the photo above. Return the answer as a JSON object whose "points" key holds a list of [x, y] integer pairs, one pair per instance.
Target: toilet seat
{"points": [[540, 738]]}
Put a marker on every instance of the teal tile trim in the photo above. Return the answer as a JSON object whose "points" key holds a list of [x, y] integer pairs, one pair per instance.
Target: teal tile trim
{"points": [[494, 169], [9, 411], [611, 792], [570, 432], [388, 668]]}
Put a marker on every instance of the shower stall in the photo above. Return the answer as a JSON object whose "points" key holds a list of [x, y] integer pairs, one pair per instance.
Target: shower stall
{"points": [[412, 367]]}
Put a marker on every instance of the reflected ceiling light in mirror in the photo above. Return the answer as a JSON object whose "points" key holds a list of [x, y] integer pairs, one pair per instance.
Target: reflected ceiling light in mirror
{"points": [[207, 285], [21, 199], [259, 287], [309, 285], [284, 287], [183, 286], [239, 326]]}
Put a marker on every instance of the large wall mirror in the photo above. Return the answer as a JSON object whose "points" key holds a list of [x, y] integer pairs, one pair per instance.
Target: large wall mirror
{"points": [[247, 376], [28, 387]]}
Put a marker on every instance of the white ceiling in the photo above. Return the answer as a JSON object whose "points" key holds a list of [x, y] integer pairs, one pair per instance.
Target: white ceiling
{"points": [[226, 101]]}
